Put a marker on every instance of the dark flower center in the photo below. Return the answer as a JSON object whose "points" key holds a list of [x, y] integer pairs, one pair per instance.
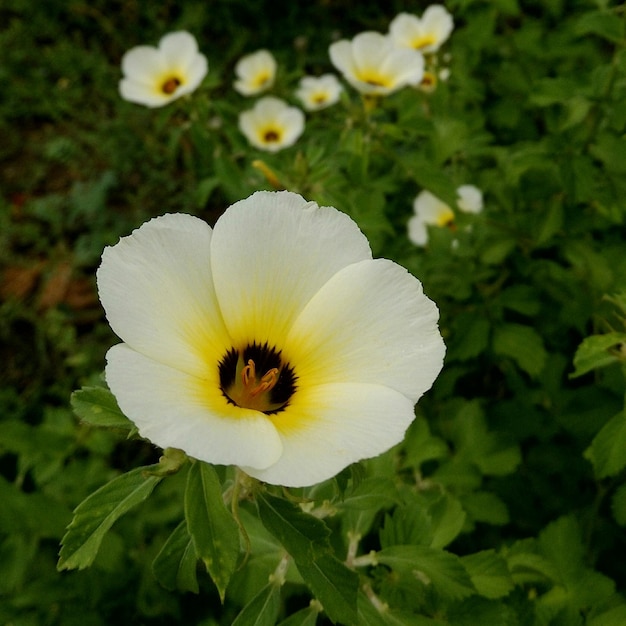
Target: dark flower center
{"points": [[170, 85], [257, 378]]}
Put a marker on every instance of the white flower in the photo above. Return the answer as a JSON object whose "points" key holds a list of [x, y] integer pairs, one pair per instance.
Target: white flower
{"points": [[273, 342], [156, 76], [255, 72], [374, 66], [429, 211], [426, 34], [469, 199], [319, 92], [272, 124]]}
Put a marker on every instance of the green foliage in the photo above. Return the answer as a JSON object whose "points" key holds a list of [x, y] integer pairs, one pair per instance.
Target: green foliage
{"points": [[506, 502]]}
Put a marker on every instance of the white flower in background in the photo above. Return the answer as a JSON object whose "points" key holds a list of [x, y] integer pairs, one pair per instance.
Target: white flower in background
{"points": [[156, 76], [272, 124], [425, 34], [273, 342], [374, 66], [255, 72], [319, 92], [469, 199], [429, 211]]}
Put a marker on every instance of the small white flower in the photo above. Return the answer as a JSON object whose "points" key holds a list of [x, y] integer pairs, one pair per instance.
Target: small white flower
{"points": [[319, 92], [255, 72], [156, 76], [427, 33], [429, 211], [374, 66], [469, 199], [274, 341], [272, 124]]}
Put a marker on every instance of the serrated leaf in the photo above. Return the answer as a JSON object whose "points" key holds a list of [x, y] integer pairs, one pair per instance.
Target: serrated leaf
{"points": [[430, 566], [175, 564], [618, 505], [333, 584], [301, 534], [97, 406], [523, 344], [214, 531], [95, 515], [262, 610], [375, 492], [489, 573], [596, 352], [607, 452]]}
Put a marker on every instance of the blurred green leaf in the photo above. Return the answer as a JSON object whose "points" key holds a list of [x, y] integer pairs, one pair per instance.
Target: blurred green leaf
{"points": [[607, 452], [523, 344], [96, 514], [597, 351], [618, 505], [175, 564], [443, 570], [489, 573], [214, 532]]}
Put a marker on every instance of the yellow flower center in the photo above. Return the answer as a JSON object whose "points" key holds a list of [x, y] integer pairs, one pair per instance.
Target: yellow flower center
{"points": [[270, 135], [170, 85], [320, 98], [422, 41], [374, 78], [260, 80], [256, 378]]}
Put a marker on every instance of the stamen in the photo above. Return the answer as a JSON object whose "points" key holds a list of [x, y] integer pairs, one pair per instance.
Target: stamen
{"points": [[248, 377]]}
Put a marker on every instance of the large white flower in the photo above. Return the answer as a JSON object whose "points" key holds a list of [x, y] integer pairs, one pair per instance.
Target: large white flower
{"points": [[427, 33], [273, 342], [255, 72], [156, 76], [374, 66], [272, 124], [319, 92], [429, 211]]}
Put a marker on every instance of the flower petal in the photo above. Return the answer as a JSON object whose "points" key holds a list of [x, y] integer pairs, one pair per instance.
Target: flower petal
{"points": [[270, 254], [141, 93], [330, 426], [157, 290], [370, 323], [144, 64], [179, 49], [176, 410]]}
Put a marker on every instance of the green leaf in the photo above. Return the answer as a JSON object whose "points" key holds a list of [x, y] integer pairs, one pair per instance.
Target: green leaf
{"points": [[442, 569], [333, 584], [214, 532], [523, 344], [489, 573], [484, 506], [304, 617], [301, 534], [618, 505], [95, 515], [597, 351], [616, 616], [97, 406], [607, 452], [262, 610], [175, 565]]}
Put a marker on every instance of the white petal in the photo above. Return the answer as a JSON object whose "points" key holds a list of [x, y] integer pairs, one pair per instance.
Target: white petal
{"points": [[144, 64], [179, 49], [437, 21], [469, 199], [328, 427], [157, 290], [403, 28], [370, 323], [417, 232], [174, 409], [341, 57], [140, 93], [270, 254]]}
